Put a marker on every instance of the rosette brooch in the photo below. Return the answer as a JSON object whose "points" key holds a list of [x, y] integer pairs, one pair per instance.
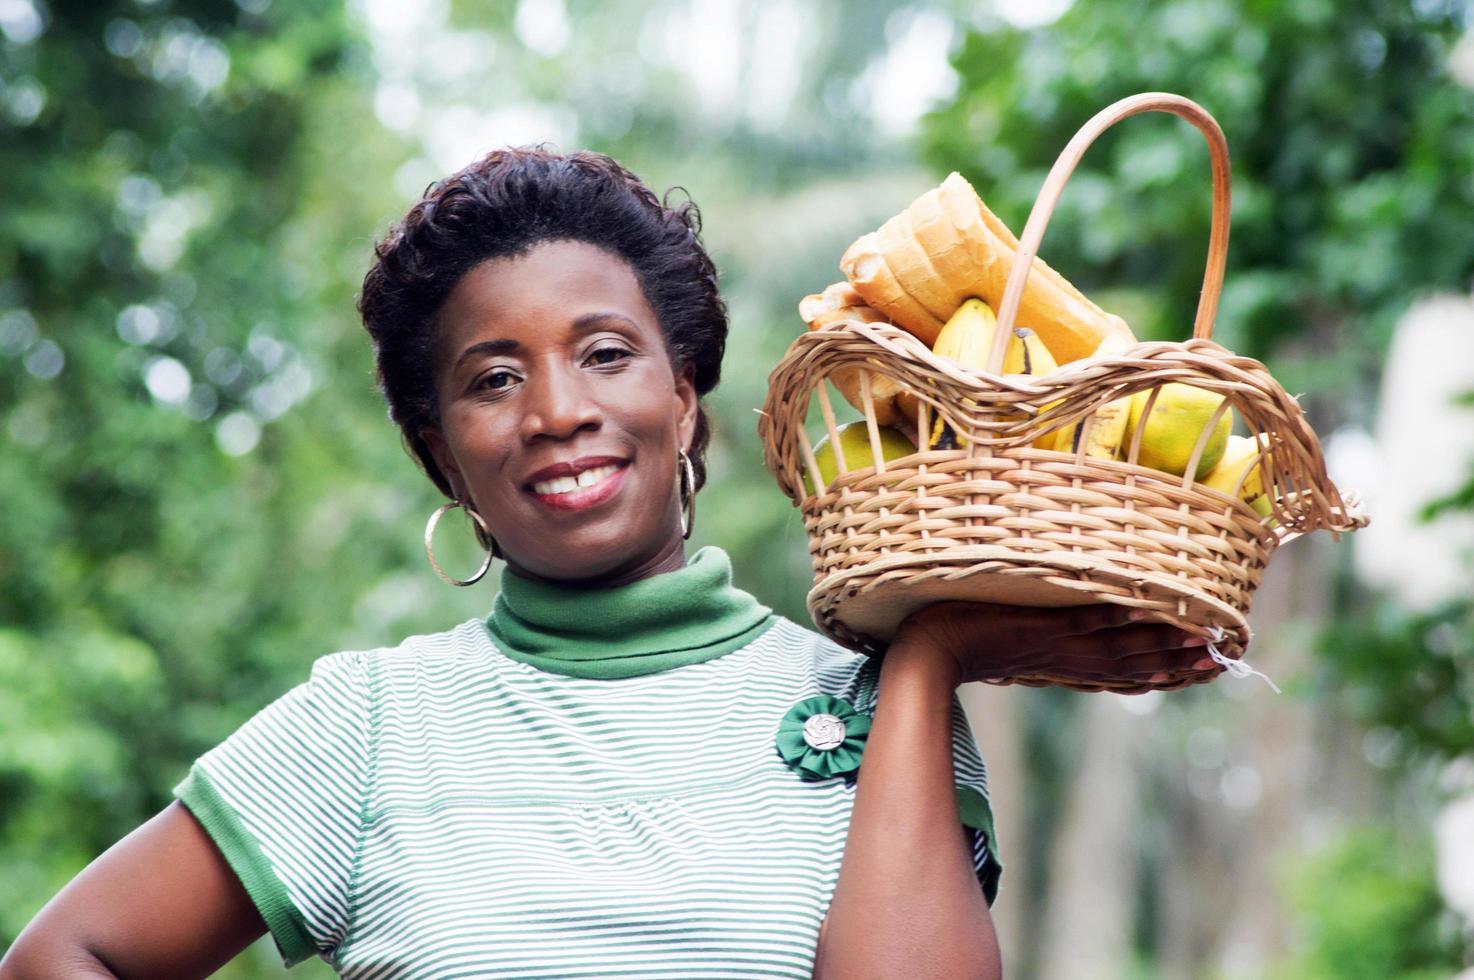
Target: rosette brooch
{"points": [[822, 736]]}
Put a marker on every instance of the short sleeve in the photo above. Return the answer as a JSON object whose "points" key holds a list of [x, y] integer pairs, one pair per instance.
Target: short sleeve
{"points": [[974, 803], [970, 776], [283, 798]]}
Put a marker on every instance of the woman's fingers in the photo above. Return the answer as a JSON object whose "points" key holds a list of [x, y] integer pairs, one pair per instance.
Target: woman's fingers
{"points": [[1098, 640], [1037, 620], [1139, 667], [1164, 660], [1127, 641], [1085, 620], [1125, 650]]}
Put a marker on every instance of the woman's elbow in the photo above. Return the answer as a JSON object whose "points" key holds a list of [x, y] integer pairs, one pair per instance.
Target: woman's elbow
{"points": [[984, 966], [38, 957]]}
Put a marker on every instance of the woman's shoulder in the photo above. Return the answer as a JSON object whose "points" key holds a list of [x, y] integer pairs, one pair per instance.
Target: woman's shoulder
{"points": [[796, 635], [433, 651], [829, 667]]}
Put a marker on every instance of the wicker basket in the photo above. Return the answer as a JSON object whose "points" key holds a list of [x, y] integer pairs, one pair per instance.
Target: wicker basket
{"points": [[1002, 521]]}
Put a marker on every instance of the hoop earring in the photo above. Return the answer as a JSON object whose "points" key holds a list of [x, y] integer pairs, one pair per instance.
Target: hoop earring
{"points": [[430, 532], [686, 477]]}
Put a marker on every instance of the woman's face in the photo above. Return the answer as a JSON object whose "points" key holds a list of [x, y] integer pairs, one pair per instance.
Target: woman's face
{"points": [[560, 414]]}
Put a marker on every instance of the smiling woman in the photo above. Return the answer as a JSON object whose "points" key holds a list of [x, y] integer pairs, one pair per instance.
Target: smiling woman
{"points": [[628, 767], [561, 419], [545, 329]]}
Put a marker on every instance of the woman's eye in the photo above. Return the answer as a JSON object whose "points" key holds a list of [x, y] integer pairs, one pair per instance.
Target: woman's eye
{"points": [[608, 355], [497, 380]]}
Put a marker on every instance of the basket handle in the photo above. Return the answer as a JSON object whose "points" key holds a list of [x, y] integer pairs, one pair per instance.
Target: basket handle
{"points": [[1054, 185]]}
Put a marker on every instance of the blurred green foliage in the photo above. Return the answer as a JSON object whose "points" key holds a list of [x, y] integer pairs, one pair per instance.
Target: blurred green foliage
{"points": [[188, 414], [1412, 674], [1368, 909]]}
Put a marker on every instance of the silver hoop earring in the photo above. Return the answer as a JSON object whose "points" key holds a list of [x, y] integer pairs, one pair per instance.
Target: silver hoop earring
{"points": [[686, 477], [430, 532]]}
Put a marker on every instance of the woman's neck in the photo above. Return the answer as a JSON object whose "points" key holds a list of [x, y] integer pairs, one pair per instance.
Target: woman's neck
{"points": [[670, 557], [660, 622]]}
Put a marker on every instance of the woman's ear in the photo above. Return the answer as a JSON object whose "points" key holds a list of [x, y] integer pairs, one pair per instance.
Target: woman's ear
{"points": [[686, 406], [444, 459]]}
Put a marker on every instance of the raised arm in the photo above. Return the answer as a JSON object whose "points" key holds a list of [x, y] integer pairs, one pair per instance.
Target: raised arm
{"points": [[160, 903], [907, 901]]}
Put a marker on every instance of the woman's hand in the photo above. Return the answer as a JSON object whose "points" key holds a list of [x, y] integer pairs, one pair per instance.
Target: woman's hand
{"points": [[1101, 641]]}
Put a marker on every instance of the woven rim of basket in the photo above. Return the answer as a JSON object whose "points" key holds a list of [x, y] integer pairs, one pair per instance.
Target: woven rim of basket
{"points": [[1231, 637], [1002, 411]]}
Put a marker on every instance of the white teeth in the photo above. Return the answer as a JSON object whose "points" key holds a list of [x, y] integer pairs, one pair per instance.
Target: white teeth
{"points": [[567, 484], [559, 484]]}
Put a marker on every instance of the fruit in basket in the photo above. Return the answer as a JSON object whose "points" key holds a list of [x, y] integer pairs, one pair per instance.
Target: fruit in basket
{"points": [[1109, 427], [1027, 354], [966, 339], [921, 264], [839, 302], [1241, 461], [1106, 432], [854, 440], [1177, 419]]}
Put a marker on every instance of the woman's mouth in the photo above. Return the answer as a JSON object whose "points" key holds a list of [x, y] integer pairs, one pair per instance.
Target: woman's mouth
{"points": [[586, 489]]}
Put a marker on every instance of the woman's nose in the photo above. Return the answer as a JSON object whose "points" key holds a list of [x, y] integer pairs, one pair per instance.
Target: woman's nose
{"points": [[559, 405]]}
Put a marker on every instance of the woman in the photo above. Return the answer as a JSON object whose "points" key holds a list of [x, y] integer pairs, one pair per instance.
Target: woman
{"points": [[629, 767]]}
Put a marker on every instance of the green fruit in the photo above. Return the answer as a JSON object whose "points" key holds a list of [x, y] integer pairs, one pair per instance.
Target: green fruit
{"points": [[854, 438], [1177, 420]]}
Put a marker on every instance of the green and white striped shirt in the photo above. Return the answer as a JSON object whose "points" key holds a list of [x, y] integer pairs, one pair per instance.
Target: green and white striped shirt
{"points": [[440, 809]]}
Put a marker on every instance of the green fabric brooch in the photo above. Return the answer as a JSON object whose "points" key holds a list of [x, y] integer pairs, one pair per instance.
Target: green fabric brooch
{"points": [[822, 736]]}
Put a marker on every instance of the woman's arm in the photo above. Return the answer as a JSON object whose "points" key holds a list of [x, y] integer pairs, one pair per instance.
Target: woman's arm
{"points": [[161, 902], [907, 902]]}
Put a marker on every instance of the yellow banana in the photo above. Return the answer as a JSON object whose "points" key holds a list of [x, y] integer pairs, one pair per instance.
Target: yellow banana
{"points": [[1109, 427], [968, 335], [1028, 354], [1106, 431], [966, 338], [1241, 460]]}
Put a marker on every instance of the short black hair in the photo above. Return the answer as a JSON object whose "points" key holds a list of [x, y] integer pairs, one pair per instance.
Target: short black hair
{"points": [[503, 205]]}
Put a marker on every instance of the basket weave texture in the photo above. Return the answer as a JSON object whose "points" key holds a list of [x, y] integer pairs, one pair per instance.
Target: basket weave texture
{"points": [[999, 520]]}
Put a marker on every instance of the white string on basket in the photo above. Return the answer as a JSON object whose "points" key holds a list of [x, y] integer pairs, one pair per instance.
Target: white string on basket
{"points": [[1235, 667]]}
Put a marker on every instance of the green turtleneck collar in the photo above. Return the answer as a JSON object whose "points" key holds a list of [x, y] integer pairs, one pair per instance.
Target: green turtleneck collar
{"points": [[669, 620]]}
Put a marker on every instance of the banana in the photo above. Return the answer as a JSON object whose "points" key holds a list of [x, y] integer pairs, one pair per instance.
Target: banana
{"points": [[1241, 461], [1027, 354], [966, 338], [1109, 427], [1106, 432]]}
